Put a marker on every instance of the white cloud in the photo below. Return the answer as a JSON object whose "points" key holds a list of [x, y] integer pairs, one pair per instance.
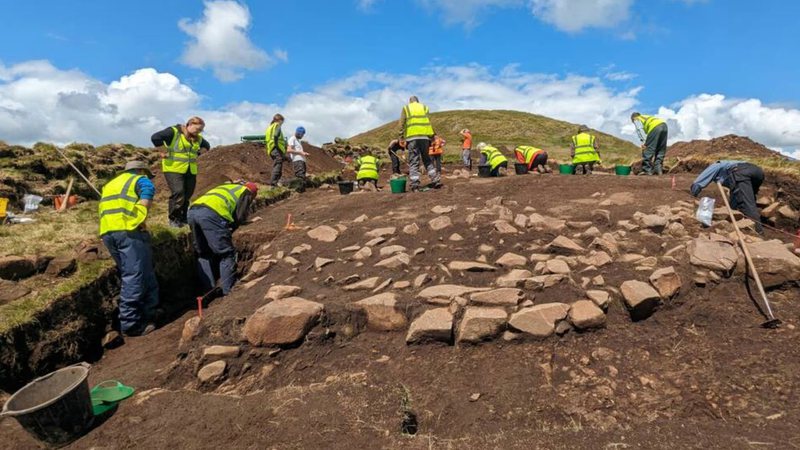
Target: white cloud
{"points": [[365, 5], [219, 41], [468, 12], [575, 15], [39, 102]]}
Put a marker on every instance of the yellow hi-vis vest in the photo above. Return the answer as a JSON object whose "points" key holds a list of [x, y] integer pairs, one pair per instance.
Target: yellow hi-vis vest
{"points": [[649, 122], [528, 153], [182, 154], [367, 168], [584, 149], [119, 208], [493, 156], [417, 122], [272, 129], [222, 199]]}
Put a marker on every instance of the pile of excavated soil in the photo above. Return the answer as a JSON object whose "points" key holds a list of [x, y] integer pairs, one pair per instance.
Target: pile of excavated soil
{"points": [[699, 372], [248, 161], [727, 147]]}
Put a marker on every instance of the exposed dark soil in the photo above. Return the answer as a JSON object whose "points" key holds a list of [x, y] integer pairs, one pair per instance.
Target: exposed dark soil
{"points": [[248, 161], [732, 146], [699, 373]]}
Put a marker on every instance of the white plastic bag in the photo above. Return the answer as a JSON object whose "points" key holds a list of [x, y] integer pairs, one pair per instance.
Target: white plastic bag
{"points": [[31, 203], [705, 211]]}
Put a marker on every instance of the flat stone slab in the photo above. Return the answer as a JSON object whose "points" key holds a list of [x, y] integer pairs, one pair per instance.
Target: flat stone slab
{"points": [[323, 233], [481, 324], [449, 291], [433, 325], [640, 298], [282, 322], [539, 320], [382, 312], [498, 297], [584, 314], [471, 266]]}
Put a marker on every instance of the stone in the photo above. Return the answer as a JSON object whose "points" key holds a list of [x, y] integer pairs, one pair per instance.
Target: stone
{"points": [[521, 220], [539, 320], [390, 250], [364, 285], [565, 246], [401, 285], [640, 298], [789, 213], [494, 201], [382, 312], [375, 241], [448, 291], [438, 209], [630, 258], [540, 257], [676, 230], [455, 237], [771, 211], [433, 325], [619, 199], [470, 266], [600, 298], [557, 266], [280, 291], [591, 232], [654, 222], [323, 233], [775, 264], [300, 249], [352, 248], [481, 324], [601, 216], [282, 322], [382, 286], [319, 262], [666, 281], [511, 260], [16, 267], [714, 255], [215, 352], [540, 222], [361, 218], [585, 314], [61, 266], [606, 242], [395, 262], [411, 229], [504, 227], [112, 339], [498, 297], [596, 258], [291, 261], [191, 329], [484, 248], [544, 281], [362, 254], [258, 269], [381, 232], [421, 280], [211, 373], [440, 223], [11, 290], [563, 327], [515, 278], [599, 280]]}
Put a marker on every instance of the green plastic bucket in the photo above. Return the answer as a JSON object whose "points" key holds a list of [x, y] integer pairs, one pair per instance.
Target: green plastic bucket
{"points": [[566, 169], [398, 185], [622, 170]]}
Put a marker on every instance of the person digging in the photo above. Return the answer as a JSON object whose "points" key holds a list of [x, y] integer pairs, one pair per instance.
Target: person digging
{"points": [[654, 145], [742, 179], [532, 157]]}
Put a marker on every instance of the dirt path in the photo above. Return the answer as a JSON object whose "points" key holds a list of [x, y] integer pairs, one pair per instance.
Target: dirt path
{"points": [[699, 373]]}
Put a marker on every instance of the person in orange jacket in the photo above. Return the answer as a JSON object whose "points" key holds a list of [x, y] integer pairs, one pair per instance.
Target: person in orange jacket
{"points": [[436, 151], [466, 148]]}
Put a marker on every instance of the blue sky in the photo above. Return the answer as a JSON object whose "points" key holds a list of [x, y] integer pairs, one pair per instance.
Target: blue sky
{"points": [[97, 71]]}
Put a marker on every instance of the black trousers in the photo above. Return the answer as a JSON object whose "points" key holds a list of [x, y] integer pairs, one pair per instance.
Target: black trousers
{"points": [[655, 149], [277, 166], [395, 162], [496, 171], [181, 187], [747, 179]]}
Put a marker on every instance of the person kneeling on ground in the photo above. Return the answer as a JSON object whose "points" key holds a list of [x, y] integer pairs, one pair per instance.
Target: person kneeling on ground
{"points": [[397, 145], [584, 151], [212, 219], [742, 179], [298, 156], [498, 164], [533, 157], [123, 210], [368, 167]]}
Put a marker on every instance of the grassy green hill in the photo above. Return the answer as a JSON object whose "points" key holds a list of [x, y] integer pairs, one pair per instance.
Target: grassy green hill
{"points": [[508, 128]]}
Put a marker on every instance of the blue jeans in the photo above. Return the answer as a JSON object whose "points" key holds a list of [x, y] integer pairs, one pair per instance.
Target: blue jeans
{"points": [[213, 242], [138, 296]]}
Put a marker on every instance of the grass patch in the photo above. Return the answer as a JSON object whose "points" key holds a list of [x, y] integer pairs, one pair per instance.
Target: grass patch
{"points": [[507, 128], [20, 312]]}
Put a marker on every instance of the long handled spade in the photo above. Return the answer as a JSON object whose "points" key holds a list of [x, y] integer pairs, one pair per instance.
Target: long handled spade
{"points": [[772, 322]]}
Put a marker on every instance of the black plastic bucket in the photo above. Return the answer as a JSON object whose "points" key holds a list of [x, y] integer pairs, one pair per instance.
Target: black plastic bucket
{"points": [[345, 187], [520, 168], [484, 170], [55, 408]]}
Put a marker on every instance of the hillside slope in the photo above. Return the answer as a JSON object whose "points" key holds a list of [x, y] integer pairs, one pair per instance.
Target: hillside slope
{"points": [[509, 128]]}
